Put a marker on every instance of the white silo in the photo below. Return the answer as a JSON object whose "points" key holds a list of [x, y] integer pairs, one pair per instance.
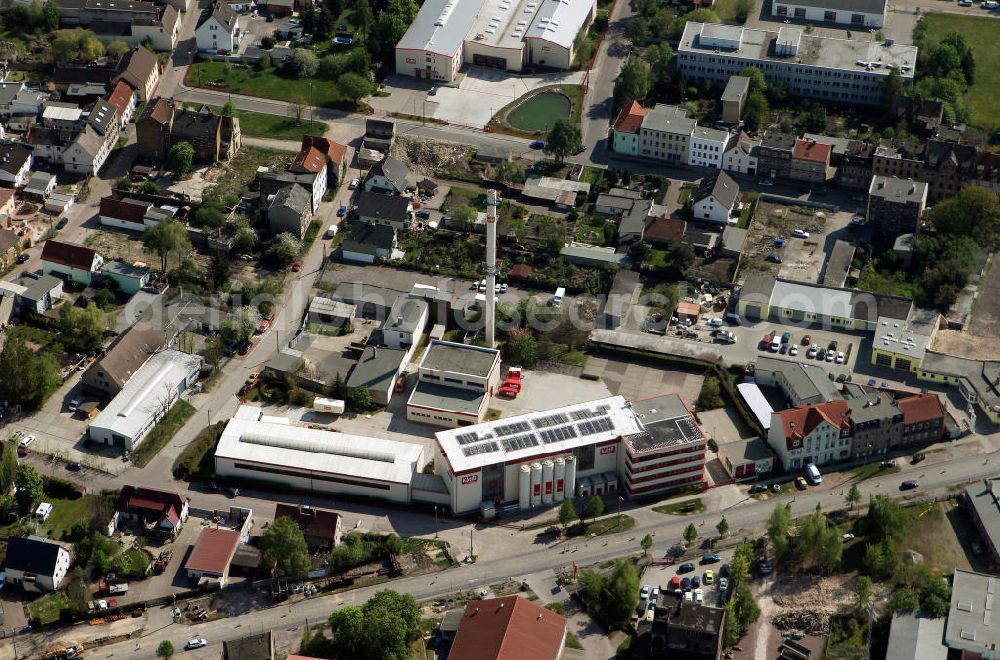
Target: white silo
{"points": [[536, 484], [560, 475], [547, 485], [570, 476], [525, 487]]}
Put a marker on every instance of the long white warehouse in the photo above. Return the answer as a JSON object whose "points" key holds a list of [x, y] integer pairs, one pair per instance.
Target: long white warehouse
{"points": [[269, 449], [147, 396]]}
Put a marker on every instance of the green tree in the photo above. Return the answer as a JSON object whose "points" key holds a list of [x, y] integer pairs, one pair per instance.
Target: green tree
{"points": [[970, 213], [591, 586], [660, 58], [563, 139], [646, 543], [756, 112], [165, 650], [38, 376], [690, 534], [621, 593], [710, 397], [82, 329], [8, 468], [853, 496], [722, 527], [594, 508], [302, 63], [245, 239], [228, 109], [885, 520], [862, 594], [241, 324], [758, 84], [77, 591], [364, 19], [116, 50], [285, 248], [353, 86], [697, 16], [567, 513], [51, 15], [522, 350], [210, 215], [507, 171], [778, 525], [633, 82], [742, 10], [821, 540], [283, 549], [741, 612], [165, 239], [219, 269], [180, 158], [892, 86], [30, 489], [361, 399], [464, 217], [739, 567], [382, 628]]}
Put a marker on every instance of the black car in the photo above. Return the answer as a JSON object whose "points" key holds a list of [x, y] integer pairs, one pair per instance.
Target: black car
{"points": [[62, 223], [23, 257], [919, 456], [724, 570], [74, 467], [686, 584], [909, 484], [832, 346], [424, 215], [580, 150]]}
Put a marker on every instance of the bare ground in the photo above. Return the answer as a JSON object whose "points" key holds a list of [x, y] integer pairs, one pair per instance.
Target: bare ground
{"points": [[965, 344]]}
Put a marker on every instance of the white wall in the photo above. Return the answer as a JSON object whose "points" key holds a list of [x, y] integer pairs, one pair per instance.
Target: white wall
{"points": [[710, 210], [442, 67], [818, 15]]}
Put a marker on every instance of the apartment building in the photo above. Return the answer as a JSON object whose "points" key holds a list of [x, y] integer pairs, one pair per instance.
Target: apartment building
{"points": [[819, 434], [820, 68], [854, 170], [665, 134], [895, 205], [810, 161], [706, 147], [774, 155], [625, 134], [734, 98], [741, 154]]}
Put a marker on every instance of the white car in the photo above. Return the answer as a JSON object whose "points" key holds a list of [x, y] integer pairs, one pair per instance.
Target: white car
{"points": [[830, 356], [503, 288], [354, 184], [196, 643], [798, 233], [699, 596], [848, 537], [794, 350], [811, 353], [102, 604], [27, 441], [840, 358], [990, 4]]}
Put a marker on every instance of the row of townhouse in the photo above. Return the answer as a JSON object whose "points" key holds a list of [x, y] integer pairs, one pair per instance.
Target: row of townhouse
{"points": [[132, 21], [666, 133], [866, 426]]}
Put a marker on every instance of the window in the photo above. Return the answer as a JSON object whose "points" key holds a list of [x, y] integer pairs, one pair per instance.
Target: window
{"points": [[830, 16], [800, 13], [857, 19], [782, 10]]}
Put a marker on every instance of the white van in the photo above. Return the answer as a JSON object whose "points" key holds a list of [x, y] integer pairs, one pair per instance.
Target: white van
{"points": [[331, 231], [43, 512], [813, 475], [558, 298]]}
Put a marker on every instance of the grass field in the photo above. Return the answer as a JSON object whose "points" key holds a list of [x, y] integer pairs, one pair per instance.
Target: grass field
{"points": [[275, 127], [685, 508], [64, 514], [266, 84], [873, 469], [46, 609], [981, 33]]}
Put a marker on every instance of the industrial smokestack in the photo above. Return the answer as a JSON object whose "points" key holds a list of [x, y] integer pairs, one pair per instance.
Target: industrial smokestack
{"points": [[491, 267]]}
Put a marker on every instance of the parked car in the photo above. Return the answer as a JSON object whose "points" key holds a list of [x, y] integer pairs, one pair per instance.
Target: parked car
{"points": [[848, 537], [919, 456], [806, 340], [686, 584], [786, 337], [709, 577], [891, 463], [832, 346], [830, 355], [685, 568], [342, 211], [909, 484], [354, 184], [774, 258], [783, 349], [62, 223], [964, 3], [757, 488], [840, 358], [811, 353], [711, 559], [23, 257], [424, 215], [196, 643], [723, 585], [699, 597], [798, 233], [27, 440], [296, 266], [794, 350], [537, 144], [644, 592], [800, 483], [579, 150], [503, 288], [74, 467], [767, 183], [695, 581]]}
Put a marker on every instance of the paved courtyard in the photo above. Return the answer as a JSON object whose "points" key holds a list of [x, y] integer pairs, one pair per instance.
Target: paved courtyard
{"points": [[634, 380]]}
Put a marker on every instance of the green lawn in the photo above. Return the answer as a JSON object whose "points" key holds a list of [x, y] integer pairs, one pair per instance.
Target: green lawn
{"points": [[873, 469], [46, 609], [267, 84], [64, 514], [275, 127], [161, 434], [981, 33]]}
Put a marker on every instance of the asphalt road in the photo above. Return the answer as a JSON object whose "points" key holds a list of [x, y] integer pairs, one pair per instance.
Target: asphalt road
{"points": [[746, 518]]}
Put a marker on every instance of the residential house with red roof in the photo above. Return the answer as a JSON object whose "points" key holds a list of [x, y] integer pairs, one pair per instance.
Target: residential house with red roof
{"points": [[124, 100], [508, 628], [625, 135], [71, 261], [141, 70], [158, 511], [810, 161], [817, 434], [212, 554], [311, 160]]}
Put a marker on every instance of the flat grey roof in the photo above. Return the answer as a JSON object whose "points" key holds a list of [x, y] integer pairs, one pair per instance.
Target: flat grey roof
{"points": [[900, 191], [903, 337], [872, 406], [668, 119], [813, 51], [916, 637], [459, 358], [442, 397], [377, 368], [441, 26], [838, 264], [405, 315], [982, 496], [757, 287], [736, 87], [970, 624], [806, 380]]}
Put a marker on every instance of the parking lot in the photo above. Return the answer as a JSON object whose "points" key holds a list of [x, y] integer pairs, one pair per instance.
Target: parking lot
{"points": [[690, 568]]}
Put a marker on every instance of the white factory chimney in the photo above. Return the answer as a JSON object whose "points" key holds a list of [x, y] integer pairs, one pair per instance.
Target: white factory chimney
{"points": [[491, 267]]}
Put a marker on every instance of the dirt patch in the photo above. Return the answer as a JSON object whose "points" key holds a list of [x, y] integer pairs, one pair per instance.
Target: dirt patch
{"points": [[964, 344], [937, 532], [986, 315], [772, 221], [427, 157]]}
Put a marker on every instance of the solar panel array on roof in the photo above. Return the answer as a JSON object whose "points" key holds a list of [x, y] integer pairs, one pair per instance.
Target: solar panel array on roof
{"points": [[586, 413], [511, 429], [688, 428], [481, 448], [558, 433], [467, 438], [592, 427], [519, 442], [550, 420]]}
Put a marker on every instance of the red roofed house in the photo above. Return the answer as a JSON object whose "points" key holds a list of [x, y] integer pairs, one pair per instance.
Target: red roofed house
{"points": [[311, 160], [335, 152], [663, 230], [818, 433], [509, 628], [625, 139], [123, 213], [322, 528], [71, 261], [687, 311], [810, 161], [212, 554], [162, 510], [923, 419], [123, 99]]}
